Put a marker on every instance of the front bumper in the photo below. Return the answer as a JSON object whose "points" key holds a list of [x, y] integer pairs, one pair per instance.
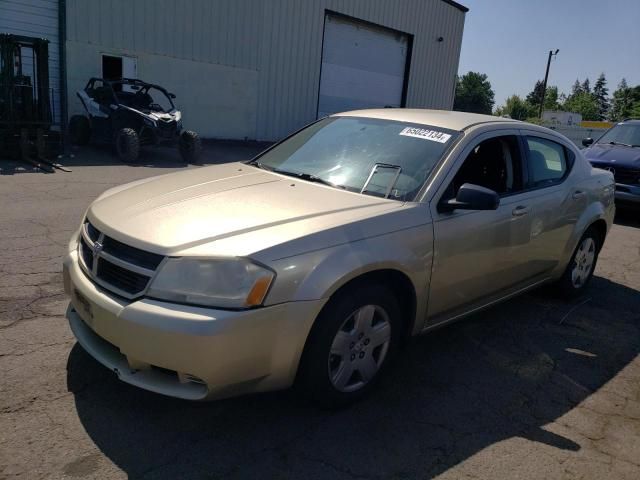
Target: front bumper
{"points": [[184, 351], [628, 193]]}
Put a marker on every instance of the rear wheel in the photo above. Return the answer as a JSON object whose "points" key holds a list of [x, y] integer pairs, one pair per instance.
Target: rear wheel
{"points": [[582, 265], [190, 146], [127, 145], [79, 130], [352, 341]]}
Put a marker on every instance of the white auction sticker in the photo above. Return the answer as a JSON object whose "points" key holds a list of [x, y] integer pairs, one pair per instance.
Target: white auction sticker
{"points": [[426, 134]]}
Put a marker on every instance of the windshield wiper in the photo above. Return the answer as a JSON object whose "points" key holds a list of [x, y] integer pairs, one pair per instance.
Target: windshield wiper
{"points": [[305, 176], [623, 144]]}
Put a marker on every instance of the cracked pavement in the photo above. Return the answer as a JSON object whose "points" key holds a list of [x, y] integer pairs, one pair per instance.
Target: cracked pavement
{"points": [[536, 387]]}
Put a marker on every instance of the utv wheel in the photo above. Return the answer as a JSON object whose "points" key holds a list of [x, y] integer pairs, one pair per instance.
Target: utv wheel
{"points": [[351, 343], [127, 145], [583, 262], [190, 146], [79, 130]]}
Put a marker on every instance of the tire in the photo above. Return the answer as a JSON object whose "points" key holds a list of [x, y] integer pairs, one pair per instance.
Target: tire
{"points": [[79, 130], [580, 269], [346, 353], [190, 146], [127, 145]]}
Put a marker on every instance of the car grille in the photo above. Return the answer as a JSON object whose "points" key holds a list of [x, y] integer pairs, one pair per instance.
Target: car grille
{"points": [[624, 175], [119, 268]]}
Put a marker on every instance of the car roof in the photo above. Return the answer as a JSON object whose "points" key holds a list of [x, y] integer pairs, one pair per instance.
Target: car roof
{"points": [[440, 118]]}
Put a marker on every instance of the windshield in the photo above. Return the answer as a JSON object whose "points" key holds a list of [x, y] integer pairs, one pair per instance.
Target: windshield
{"points": [[372, 156], [146, 99], [623, 134]]}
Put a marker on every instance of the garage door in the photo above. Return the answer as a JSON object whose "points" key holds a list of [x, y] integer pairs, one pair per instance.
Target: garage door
{"points": [[363, 66], [36, 18]]}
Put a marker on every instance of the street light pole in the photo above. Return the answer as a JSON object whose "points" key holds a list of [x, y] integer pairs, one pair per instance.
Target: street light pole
{"points": [[546, 77]]}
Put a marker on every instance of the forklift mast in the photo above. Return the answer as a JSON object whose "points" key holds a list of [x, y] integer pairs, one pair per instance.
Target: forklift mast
{"points": [[25, 102], [24, 82]]}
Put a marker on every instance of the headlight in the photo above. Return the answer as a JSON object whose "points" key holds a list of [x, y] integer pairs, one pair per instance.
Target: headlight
{"points": [[224, 283]]}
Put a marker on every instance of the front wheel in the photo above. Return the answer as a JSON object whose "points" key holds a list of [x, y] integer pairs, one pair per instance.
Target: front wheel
{"points": [[582, 265], [127, 145], [190, 146], [352, 341]]}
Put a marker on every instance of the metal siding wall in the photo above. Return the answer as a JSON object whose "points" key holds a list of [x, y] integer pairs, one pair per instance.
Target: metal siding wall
{"points": [[36, 18], [280, 39], [291, 55]]}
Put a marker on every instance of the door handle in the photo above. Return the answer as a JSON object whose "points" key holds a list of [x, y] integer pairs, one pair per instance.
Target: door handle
{"points": [[519, 211], [577, 194]]}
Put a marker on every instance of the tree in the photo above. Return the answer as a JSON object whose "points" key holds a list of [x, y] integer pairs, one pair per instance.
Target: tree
{"points": [[635, 98], [622, 104], [535, 97], [601, 93], [583, 103], [551, 99], [577, 88], [516, 108], [474, 94], [586, 85]]}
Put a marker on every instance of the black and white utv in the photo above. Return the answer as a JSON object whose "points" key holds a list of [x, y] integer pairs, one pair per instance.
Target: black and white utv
{"points": [[128, 114]]}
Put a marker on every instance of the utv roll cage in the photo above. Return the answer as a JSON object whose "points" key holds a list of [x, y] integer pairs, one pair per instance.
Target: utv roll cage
{"points": [[111, 91]]}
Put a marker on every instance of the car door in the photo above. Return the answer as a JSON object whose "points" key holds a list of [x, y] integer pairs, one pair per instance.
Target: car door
{"points": [[556, 203], [478, 254]]}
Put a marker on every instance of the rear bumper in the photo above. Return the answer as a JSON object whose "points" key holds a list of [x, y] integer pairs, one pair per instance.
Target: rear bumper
{"points": [[188, 352]]}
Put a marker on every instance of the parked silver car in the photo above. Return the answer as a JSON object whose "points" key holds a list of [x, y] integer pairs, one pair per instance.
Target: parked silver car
{"points": [[312, 262]]}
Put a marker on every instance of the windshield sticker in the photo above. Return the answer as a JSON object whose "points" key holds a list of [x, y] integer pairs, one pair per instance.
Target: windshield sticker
{"points": [[425, 134]]}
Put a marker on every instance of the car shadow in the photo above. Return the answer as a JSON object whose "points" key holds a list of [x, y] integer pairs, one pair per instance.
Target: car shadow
{"points": [[506, 372]]}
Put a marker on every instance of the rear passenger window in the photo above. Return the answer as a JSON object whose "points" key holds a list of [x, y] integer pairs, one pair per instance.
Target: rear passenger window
{"points": [[547, 161]]}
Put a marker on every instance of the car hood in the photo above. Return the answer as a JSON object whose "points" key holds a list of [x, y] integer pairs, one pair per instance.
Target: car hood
{"points": [[614, 154], [233, 209]]}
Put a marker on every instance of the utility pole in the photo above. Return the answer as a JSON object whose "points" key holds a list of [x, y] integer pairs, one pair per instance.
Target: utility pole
{"points": [[546, 77]]}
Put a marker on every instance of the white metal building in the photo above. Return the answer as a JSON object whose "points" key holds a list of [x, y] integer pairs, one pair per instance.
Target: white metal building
{"points": [[261, 69]]}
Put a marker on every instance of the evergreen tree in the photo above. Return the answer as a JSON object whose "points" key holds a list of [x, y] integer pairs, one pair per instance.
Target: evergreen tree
{"points": [[586, 86], [577, 88], [622, 104], [535, 97], [601, 92]]}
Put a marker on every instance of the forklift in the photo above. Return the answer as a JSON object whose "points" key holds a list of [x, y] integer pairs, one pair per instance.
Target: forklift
{"points": [[25, 102]]}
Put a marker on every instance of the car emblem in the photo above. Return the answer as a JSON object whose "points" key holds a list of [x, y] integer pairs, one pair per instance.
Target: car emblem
{"points": [[97, 248]]}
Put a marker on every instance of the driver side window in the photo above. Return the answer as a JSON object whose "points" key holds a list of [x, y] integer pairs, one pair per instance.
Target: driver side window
{"points": [[494, 163]]}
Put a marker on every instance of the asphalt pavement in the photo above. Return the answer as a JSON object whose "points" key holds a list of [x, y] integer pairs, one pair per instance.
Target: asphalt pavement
{"points": [[535, 388]]}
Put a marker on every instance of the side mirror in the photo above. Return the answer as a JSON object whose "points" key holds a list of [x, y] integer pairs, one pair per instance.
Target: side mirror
{"points": [[172, 95], [587, 141], [472, 197]]}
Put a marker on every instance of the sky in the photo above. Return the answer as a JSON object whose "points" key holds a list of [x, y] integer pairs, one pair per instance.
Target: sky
{"points": [[509, 40]]}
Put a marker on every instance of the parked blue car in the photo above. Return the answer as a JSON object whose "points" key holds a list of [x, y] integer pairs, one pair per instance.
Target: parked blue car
{"points": [[618, 151]]}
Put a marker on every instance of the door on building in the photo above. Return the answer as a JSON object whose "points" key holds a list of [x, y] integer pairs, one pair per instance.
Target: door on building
{"points": [[116, 67], [363, 66]]}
